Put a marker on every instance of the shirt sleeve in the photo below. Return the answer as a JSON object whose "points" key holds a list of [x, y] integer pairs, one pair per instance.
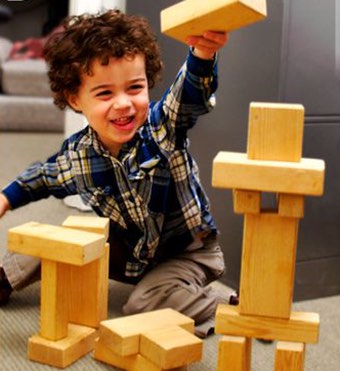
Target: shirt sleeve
{"points": [[191, 95], [41, 180]]}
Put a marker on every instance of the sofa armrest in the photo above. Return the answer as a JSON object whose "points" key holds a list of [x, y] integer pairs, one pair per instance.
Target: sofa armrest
{"points": [[5, 48]]}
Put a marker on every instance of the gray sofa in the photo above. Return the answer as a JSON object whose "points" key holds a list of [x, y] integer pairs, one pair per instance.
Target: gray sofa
{"points": [[26, 103]]}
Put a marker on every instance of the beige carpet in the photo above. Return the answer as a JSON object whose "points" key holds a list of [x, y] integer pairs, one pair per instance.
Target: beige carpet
{"points": [[20, 318]]}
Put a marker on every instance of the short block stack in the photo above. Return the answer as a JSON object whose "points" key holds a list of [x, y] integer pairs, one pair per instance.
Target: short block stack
{"points": [[74, 285], [152, 341]]}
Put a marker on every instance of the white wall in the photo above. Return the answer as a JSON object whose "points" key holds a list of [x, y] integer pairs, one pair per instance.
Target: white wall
{"points": [[93, 6]]}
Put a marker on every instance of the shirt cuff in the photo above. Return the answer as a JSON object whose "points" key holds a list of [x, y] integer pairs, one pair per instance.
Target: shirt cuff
{"points": [[200, 67], [15, 195]]}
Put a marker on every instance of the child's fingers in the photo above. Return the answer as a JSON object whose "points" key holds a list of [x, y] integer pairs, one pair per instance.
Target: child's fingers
{"points": [[216, 36], [210, 39]]}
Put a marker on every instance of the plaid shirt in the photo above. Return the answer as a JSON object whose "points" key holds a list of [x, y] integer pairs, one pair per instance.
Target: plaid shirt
{"points": [[151, 192]]}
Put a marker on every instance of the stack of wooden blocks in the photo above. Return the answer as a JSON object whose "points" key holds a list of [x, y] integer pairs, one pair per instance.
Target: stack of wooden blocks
{"points": [[272, 164], [153, 341], [74, 285]]}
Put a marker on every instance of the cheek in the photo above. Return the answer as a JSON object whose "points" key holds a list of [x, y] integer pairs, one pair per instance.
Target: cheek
{"points": [[143, 105], [96, 111]]}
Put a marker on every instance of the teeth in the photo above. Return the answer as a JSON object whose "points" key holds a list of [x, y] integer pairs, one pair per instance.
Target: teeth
{"points": [[122, 120]]}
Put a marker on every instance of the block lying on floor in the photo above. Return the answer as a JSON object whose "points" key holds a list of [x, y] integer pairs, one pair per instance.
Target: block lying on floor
{"points": [[135, 362], [122, 335], [193, 17], [62, 353], [171, 347]]}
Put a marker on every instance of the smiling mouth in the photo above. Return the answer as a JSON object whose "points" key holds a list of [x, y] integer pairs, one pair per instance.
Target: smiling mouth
{"points": [[122, 121]]}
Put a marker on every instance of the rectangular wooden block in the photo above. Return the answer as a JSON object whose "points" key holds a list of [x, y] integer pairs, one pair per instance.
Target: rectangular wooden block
{"points": [[234, 170], [268, 265], [275, 131], [289, 356], [234, 353], [122, 335], [53, 300], [93, 224], [300, 327], [291, 205], [193, 17], [134, 362], [171, 347], [62, 353], [246, 202], [89, 284], [55, 243]]}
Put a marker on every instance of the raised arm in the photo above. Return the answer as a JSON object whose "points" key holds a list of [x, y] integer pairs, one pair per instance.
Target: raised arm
{"points": [[191, 94]]}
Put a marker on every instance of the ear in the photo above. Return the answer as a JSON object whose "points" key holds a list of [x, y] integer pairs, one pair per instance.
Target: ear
{"points": [[74, 103]]}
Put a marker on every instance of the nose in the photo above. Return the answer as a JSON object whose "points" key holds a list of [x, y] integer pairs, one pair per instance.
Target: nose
{"points": [[121, 102]]}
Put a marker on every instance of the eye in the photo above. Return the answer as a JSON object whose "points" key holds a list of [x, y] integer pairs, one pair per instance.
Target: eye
{"points": [[103, 93], [136, 87]]}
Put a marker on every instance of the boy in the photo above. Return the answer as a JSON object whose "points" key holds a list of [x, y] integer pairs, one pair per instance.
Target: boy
{"points": [[131, 164]]}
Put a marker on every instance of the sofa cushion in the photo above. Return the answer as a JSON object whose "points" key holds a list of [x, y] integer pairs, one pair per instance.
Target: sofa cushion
{"points": [[25, 77], [30, 114]]}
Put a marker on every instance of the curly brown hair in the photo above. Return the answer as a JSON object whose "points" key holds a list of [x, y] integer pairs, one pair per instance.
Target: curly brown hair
{"points": [[85, 38]]}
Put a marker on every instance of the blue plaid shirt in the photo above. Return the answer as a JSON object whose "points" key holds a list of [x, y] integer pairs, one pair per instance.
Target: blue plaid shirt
{"points": [[151, 192]]}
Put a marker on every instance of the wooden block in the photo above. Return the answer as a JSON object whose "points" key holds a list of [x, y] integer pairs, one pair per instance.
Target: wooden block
{"points": [[291, 205], [171, 347], [55, 243], [93, 224], [246, 202], [134, 362], [300, 327], [234, 353], [122, 335], [53, 300], [275, 131], [193, 17], [289, 356], [268, 265], [62, 353], [234, 170], [89, 284]]}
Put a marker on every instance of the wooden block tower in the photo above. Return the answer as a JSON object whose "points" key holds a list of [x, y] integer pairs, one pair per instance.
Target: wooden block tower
{"points": [[272, 164], [153, 341], [74, 285]]}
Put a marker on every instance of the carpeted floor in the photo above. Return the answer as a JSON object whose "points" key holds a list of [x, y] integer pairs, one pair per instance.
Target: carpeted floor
{"points": [[20, 318]]}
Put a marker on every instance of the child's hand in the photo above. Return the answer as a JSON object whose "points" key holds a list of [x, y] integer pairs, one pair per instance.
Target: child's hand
{"points": [[4, 205], [208, 44]]}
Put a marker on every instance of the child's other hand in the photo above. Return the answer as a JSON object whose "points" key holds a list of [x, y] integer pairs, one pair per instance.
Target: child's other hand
{"points": [[208, 44], [4, 205]]}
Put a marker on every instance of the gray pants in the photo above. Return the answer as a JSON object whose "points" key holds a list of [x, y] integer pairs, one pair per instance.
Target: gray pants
{"points": [[180, 283]]}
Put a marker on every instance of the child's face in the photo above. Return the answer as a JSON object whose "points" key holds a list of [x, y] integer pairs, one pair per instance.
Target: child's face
{"points": [[115, 100]]}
